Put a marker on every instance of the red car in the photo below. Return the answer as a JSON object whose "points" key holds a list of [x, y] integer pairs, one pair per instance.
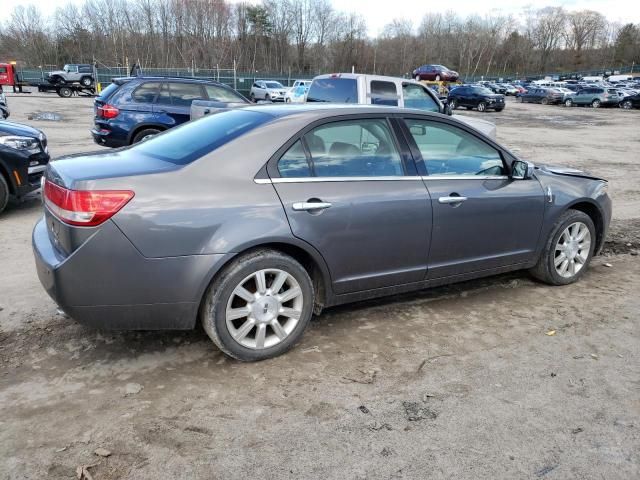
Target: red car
{"points": [[435, 72]]}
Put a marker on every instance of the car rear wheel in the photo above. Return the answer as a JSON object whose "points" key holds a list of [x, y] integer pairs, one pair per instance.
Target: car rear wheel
{"points": [[145, 134], [453, 104], [4, 193], [626, 105], [85, 81], [259, 306], [545, 101], [568, 250], [437, 78], [595, 103], [482, 107], [568, 102], [417, 78]]}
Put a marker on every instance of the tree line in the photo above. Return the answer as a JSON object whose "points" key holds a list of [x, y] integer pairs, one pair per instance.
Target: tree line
{"points": [[310, 36]]}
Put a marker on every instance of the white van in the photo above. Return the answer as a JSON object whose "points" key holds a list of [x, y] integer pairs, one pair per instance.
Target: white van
{"points": [[389, 91], [593, 79], [620, 78]]}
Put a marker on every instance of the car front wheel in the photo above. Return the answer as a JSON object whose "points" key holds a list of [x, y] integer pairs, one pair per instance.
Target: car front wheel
{"points": [[482, 107], [568, 250], [595, 104], [568, 102], [417, 78], [259, 306], [4, 193], [626, 105], [85, 81]]}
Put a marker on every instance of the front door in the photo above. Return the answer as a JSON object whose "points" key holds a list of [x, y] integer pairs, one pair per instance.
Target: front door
{"points": [[482, 218], [349, 192]]}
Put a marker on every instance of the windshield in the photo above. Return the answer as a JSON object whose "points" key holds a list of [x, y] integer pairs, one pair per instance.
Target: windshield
{"points": [[482, 90], [333, 90], [193, 140], [274, 85]]}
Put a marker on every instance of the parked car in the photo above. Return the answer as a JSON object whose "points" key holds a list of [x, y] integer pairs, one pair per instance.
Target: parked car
{"points": [[566, 92], [595, 97], [630, 102], [268, 90], [297, 94], [435, 73], [510, 89], [133, 109], [495, 88], [72, 73], [251, 220], [476, 97], [545, 96], [380, 90], [298, 83], [24, 155]]}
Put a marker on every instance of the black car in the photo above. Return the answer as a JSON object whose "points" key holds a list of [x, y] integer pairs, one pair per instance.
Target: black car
{"points": [[630, 102], [23, 158], [475, 97], [545, 96], [134, 108], [495, 88]]}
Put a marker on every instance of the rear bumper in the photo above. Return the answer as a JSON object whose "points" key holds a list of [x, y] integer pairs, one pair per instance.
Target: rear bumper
{"points": [[106, 138], [106, 283]]}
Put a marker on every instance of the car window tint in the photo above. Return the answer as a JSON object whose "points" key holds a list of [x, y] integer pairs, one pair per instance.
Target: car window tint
{"points": [[192, 140], [146, 93], [164, 97], [106, 92], [222, 94], [416, 96], [449, 150], [182, 94], [294, 162], [334, 90], [384, 93], [354, 148]]}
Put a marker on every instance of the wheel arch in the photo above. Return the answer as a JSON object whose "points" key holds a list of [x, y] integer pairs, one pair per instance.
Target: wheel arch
{"points": [[4, 171], [140, 127], [306, 255], [591, 209]]}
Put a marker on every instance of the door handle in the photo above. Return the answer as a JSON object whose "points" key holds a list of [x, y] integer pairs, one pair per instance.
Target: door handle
{"points": [[452, 199], [306, 206]]}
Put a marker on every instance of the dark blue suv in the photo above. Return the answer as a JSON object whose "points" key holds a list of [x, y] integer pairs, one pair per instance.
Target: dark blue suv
{"points": [[133, 108]]}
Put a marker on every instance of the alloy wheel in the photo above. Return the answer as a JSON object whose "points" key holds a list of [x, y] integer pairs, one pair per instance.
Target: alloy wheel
{"points": [[572, 250], [595, 104], [626, 105], [481, 107], [264, 308]]}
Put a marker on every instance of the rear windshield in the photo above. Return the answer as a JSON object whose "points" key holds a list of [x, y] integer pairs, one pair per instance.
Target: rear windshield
{"points": [[184, 144], [106, 93], [333, 90]]}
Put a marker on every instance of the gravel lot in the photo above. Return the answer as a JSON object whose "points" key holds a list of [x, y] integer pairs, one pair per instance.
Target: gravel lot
{"points": [[460, 382]]}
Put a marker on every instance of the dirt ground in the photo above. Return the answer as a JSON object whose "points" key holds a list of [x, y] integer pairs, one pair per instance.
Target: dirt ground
{"points": [[459, 382]]}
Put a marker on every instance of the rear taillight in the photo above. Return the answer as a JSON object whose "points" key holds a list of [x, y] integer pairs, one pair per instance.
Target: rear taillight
{"points": [[86, 208], [108, 111]]}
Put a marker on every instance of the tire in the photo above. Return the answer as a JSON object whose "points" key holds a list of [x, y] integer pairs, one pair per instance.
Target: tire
{"points": [[544, 101], [221, 297], [417, 78], [469, 108], [482, 107], [4, 193], [86, 81], [252, 97], [627, 105], [453, 104], [595, 103], [143, 134], [65, 92], [568, 103], [287, 100], [437, 78], [545, 270], [267, 98]]}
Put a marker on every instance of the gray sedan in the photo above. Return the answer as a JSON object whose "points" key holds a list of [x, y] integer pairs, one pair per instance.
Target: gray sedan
{"points": [[254, 219]]}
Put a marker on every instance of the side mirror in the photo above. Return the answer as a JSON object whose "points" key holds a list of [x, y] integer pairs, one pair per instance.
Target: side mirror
{"points": [[521, 170]]}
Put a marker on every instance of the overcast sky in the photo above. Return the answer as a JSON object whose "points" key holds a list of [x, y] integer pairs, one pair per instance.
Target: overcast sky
{"points": [[380, 12]]}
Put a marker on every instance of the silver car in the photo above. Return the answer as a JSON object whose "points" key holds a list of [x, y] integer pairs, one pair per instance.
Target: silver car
{"points": [[254, 219], [268, 90]]}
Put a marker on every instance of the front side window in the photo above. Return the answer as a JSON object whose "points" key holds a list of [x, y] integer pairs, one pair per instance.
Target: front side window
{"points": [[146, 93], [449, 150], [354, 148], [416, 96], [182, 94], [384, 93]]}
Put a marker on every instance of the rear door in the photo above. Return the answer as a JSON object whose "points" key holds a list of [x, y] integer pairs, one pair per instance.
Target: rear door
{"points": [[482, 218], [173, 105], [350, 190]]}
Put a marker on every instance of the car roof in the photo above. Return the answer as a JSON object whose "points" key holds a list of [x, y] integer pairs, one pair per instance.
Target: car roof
{"points": [[354, 76], [122, 80], [322, 110]]}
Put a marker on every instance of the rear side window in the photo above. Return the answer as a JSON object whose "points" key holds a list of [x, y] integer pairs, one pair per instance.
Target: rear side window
{"points": [[354, 148], [294, 163], [188, 142], [108, 91], [333, 90], [384, 93], [85, 69], [182, 94], [415, 96], [146, 93]]}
